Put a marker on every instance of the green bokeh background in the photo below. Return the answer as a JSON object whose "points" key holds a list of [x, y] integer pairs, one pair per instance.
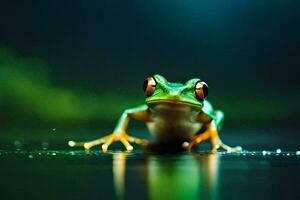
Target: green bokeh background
{"points": [[30, 98], [68, 69], [79, 64]]}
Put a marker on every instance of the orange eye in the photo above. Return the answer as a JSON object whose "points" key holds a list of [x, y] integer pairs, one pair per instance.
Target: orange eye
{"points": [[201, 90], [149, 86]]}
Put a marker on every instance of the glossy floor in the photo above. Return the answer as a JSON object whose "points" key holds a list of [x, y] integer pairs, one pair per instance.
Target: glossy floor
{"points": [[75, 174]]}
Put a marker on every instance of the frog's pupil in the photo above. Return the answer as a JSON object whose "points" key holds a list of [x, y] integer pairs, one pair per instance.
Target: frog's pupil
{"points": [[149, 86], [205, 90], [145, 85]]}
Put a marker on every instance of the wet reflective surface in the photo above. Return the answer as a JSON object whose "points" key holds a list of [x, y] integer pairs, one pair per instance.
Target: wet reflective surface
{"points": [[75, 174]]}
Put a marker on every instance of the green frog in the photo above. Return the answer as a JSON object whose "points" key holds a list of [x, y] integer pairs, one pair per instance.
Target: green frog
{"points": [[175, 113]]}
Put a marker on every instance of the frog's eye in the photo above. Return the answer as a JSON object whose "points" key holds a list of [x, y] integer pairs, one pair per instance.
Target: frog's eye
{"points": [[149, 86], [201, 90]]}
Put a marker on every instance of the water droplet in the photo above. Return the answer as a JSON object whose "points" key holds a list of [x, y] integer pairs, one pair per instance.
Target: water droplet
{"points": [[264, 152], [297, 153], [30, 156], [288, 154], [53, 154], [54, 129], [45, 145], [278, 150]]}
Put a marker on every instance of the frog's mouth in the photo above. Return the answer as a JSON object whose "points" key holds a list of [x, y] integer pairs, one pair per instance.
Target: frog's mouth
{"points": [[175, 102]]}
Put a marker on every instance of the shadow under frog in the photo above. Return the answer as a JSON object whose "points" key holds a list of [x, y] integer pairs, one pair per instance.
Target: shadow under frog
{"points": [[183, 176]]}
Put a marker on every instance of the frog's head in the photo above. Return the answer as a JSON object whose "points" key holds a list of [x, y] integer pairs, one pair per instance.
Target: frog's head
{"points": [[159, 90]]}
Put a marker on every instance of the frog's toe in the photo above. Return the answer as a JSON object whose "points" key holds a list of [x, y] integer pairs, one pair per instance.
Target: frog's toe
{"points": [[78, 144], [139, 141], [126, 144], [231, 149], [215, 148], [108, 140], [189, 146], [185, 145], [236, 149], [194, 141], [72, 143], [116, 137], [87, 145], [104, 147]]}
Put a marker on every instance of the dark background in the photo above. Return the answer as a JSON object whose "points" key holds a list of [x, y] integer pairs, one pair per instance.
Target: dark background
{"points": [[69, 68], [83, 62]]}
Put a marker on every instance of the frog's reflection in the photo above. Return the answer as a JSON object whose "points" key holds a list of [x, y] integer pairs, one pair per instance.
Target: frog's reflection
{"points": [[119, 168], [185, 176]]}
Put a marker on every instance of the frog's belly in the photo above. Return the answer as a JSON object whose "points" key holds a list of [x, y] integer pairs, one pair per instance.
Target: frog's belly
{"points": [[173, 123]]}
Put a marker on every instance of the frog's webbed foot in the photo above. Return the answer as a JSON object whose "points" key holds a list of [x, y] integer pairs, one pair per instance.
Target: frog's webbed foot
{"points": [[108, 140], [227, 148], [215, 145], [212, 136]]}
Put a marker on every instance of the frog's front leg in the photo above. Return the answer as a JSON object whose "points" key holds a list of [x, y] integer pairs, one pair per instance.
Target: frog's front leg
{"points": [[211, 134], [119, 133]]}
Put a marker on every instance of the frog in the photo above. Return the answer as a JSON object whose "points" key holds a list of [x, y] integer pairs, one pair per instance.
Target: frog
{"points": [[176, 114]]}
